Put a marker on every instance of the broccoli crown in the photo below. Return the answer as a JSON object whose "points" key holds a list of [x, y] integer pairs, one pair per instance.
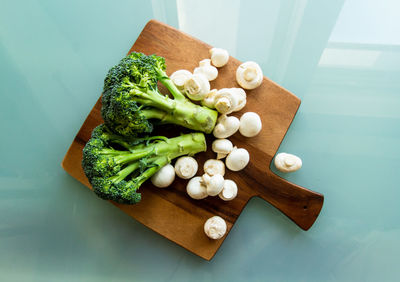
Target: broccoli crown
{"points": [[131, 99], [123, 192], [122, 114], [138, 68], [117, 166], [97, 159]]}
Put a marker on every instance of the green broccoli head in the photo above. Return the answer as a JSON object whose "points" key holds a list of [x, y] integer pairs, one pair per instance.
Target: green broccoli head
{"points": [[131, 99], [123, 115], [136, 68], [123, 192], [97, 160]]}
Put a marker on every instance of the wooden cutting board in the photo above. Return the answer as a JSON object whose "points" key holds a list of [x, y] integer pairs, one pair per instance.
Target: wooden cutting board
{"points": [[171, 212]]}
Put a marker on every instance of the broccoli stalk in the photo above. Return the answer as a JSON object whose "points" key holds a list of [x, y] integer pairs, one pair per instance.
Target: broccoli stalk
{"points": [[117, 166], [131, 99]]}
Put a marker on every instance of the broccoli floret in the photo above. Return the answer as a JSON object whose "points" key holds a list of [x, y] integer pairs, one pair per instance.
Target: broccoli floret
{"points": [[131, 99], [117, 166]]}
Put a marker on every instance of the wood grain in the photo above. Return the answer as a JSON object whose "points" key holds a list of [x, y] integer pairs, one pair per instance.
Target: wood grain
{"points": [[170, 212]]}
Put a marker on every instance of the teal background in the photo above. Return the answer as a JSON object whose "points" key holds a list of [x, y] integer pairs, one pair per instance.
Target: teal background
{"points": [[342, 58]]}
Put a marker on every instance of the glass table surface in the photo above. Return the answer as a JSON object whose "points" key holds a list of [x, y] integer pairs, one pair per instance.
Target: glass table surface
{"points": [[341, 58]]}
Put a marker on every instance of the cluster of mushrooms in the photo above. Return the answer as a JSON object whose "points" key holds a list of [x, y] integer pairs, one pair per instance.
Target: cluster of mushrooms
{"points": [[196, 87]]}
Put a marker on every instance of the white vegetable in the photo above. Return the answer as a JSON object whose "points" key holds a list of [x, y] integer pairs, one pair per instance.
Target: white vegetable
{"points": [[219, 57], [241, 95], [164, 177], [222, 147], [214, 184], [226, 100], [250, 124], [237, 159], [196, 87], [213, 167], [226, 126], [205, 68], [209, 99], [287, 162], [196, 189], [180, 77], [205, 179], [229, 190], [186, 167], [249, 75], [215, 227]]}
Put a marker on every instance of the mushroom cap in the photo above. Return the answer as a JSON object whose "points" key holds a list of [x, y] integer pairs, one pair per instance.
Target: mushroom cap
{"points": [[196, 87], [250, 124], [215, 227], [215, 185], [229, 191], [226, 126], [179, 77], [205, 68], [222, 147], [219, 57], [249, 75], [241, 94], [186, 167], [164, 177], [196, 189], [226, 100], [287, 162], [209, 99], [213, 167], [237, 159]]}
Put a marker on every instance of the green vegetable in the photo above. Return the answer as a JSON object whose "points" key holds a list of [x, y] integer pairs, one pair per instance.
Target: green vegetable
{"points": [[131, 99], [116, 166]]}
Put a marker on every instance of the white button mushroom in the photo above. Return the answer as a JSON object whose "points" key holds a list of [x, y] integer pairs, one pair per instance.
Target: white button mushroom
{"points": [[205, 179], [196, 87], [205, 68], [249, 75], [164, 177], [215, 227], [229, 191], [287, 162], [214, 184], [179, 78], [186, 167], [237, 159], [250, 124], [209, 99], [226, 100], [219, 57], [241, 94], [222, 147], [196, 189], [226, 126], [213, 167]]}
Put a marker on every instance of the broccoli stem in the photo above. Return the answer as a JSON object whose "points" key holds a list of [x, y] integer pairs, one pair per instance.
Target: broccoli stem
{"points": [[151, 98], [167, 82], [122, 174], [112, 152], [188, 144], [160, 154], [136, 155], [193, 116], [186, 114], [159, 163]]}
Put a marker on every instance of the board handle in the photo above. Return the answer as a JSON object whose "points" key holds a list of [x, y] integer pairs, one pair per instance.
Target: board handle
{"points": [[301, 205]]}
